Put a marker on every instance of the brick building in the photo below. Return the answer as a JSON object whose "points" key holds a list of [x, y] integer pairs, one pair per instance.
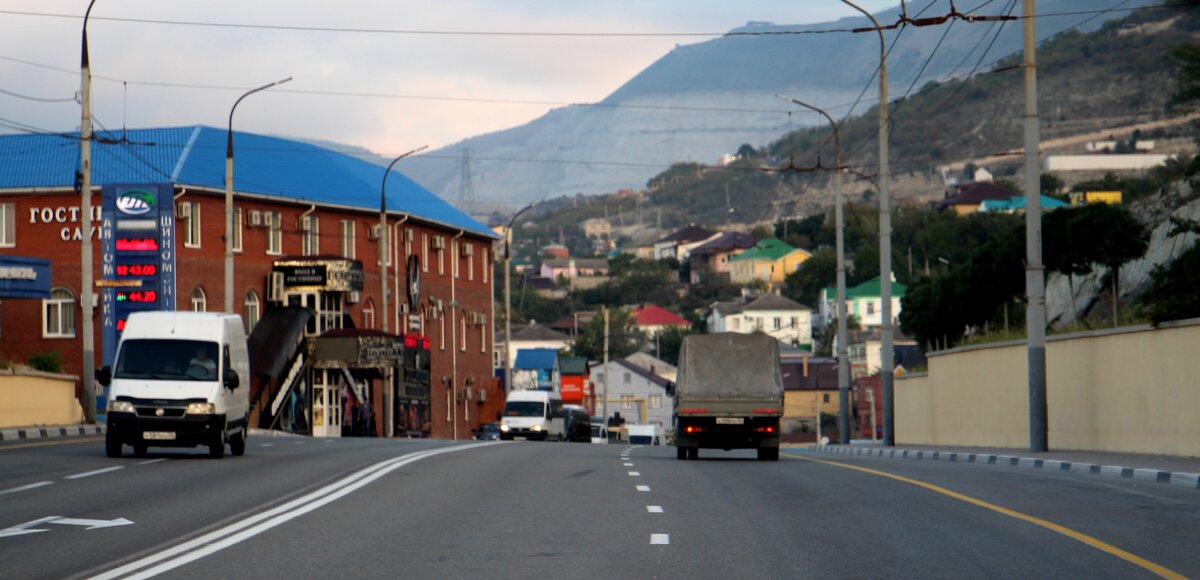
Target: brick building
{"points": [[297, 207]]}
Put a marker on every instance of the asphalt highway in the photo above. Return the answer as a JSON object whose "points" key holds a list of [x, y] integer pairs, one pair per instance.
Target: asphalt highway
{"points": [[303, 508]]}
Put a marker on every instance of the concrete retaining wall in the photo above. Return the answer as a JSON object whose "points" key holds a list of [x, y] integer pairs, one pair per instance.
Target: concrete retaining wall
{"points": [[29, 397]]}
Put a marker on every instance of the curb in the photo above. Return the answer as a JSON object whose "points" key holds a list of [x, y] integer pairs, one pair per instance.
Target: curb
{"points": [[49, 432], [1177, 478]]}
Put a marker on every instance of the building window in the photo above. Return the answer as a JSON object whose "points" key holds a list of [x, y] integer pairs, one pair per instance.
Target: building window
{"points": [[483, 337], [251, 310], [441, 251], [310, 228], [626, 401], [470, 264], [795, 321], [627, 379], [191, 234], [462, 334], [656, 401], [441, 332], [455, 258], [735, 323], [58, 314], [8, 225], [599, 378], [368, 315], [485, 264], [825, 398], [778, 323], [348, 239], [237, 229], [199, 300], [274, 232], [330, 311], [424, 252]]}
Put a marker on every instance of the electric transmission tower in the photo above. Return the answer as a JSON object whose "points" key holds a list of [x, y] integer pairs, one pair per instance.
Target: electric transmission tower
{"points": [[466, 191]]}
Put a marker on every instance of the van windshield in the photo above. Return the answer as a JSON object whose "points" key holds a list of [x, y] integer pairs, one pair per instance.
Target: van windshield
{"points": [[189, 360], [524, 409]]}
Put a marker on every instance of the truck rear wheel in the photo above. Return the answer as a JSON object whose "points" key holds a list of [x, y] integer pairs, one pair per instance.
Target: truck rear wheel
{"points": [[693, 453], [768, 454], [681, 453]]}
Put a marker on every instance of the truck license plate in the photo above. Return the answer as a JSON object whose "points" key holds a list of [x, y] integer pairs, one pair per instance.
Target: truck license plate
{"points": [[730, 420], [159, 435]]}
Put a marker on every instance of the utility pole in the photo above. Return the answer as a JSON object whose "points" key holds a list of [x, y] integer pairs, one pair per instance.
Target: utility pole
{"points": [[86, 283], [1035, 282], [604, 395]]}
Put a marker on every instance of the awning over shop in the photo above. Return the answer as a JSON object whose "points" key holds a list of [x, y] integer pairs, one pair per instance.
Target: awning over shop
{"points": [[358, 349]]}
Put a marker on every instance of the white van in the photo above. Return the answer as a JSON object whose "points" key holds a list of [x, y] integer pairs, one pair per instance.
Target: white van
{"points": [[644, 434], [531, 414], [177, 383]]}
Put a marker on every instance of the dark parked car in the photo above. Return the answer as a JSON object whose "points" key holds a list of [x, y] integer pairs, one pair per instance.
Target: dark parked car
{"points": [[577, 424], [488, 432]]}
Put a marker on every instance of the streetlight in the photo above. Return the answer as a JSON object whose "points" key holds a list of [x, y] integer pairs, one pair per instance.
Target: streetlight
{"points": [[85, 195], [842, 330], [229, 196], [887, 354], [508, 299], [383, 235]]}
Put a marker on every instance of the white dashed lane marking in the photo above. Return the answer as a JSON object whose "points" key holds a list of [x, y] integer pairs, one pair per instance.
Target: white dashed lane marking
{"points": [[654, 509], [97, 472], [159, 460], [660, 539], [628, 464], [26, 487], [643, 488], [634, 474]]}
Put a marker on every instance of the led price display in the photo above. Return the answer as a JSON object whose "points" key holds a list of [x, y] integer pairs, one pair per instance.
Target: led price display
{"points": [[136, 269], [136, 245], [121, 325], [138, 297]]}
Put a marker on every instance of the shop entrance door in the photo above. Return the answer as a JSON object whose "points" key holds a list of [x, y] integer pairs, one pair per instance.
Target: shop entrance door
{"points": [[327, 403]]}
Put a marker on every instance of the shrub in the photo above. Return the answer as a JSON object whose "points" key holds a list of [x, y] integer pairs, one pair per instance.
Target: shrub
{"points": [[50, 362]]}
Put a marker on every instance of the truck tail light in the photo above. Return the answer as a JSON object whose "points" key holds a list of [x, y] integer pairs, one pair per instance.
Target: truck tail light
{"points": [[692, 429], [765, 411], [767, 429], [693, 410]]}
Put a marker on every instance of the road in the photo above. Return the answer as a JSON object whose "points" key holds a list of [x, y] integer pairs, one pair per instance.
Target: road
{"points": [[302, 508]]}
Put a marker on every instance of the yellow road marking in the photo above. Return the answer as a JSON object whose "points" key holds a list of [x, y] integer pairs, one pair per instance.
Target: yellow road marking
{"points": [[1078, 536], [45, 443]]}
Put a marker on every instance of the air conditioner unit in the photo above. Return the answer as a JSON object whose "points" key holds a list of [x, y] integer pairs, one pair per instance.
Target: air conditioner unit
{"points": [[482, 396], [403, 308], [303, 224], [431, 313], [269, 219], [256, 218], [467, 394], [354, 297], [184, 210], [467, 250], [408, 235], [375, 232], [439, 243], [275, 287]]}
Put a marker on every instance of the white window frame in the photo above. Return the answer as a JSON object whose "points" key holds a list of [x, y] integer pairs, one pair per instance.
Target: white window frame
{"points": [[442, 260], [191, 234], [8, 225], [251, 311], [368, 315], [310, 240], [237, 230], [275, 234], [441, 331], [483, 337], [486, 264], [462, 339], [59, 307], [471, 266], [349, 240], [199, 300], [425, 252]]}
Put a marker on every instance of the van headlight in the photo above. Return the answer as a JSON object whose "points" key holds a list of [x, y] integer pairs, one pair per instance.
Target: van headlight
{"points": [[120, 407], [201, 409], [505, 428], [537, 427]]}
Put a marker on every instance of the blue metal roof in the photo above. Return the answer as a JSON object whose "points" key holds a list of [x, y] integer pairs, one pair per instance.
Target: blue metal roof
{"points": [[195, 157], [535, 359]]}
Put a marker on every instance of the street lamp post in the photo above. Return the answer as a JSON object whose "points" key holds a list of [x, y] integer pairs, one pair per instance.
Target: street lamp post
{"points": [[887, 348], [508, 299], [229, 195], [85, 196], [842, 330]]}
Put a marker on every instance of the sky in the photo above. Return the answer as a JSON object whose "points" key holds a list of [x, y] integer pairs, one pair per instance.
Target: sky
{"points": [[395, 76]]}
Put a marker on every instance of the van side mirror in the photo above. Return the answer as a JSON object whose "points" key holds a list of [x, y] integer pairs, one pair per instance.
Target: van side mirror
{"points": [[671, 389], [231, 379], [104, 375]]}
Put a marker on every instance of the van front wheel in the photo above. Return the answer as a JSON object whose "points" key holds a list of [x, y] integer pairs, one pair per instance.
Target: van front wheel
{"points": [[216, 449], [112, 446], [237, 444]]}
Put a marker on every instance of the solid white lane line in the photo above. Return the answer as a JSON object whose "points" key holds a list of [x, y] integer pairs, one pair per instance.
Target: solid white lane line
{"points": [[643, 488], [159, 460], [660, 539], [97, 472], [26, 487], [222, 538], [267, 445], [634, 474], [654, 509]]}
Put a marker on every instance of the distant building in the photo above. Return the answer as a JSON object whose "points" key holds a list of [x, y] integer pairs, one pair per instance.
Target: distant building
{"points": [[653, 319], [1085, 197], [968, 199], [537, 369], [865, 303], [555, 251], [715, 255], [1111, 162], [680, 242], [533, 336], [596, 228], [770, 261], [781, 318], [576, 388], [1016, 205], [654, 365], [810, 385], [638, 394]]}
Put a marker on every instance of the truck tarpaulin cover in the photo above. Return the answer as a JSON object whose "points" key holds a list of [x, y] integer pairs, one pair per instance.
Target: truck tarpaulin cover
{"points": [[730, 365]]}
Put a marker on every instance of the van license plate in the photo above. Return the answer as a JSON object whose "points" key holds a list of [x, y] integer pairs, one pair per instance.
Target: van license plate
{"points": [[159, 435], [730, 420]]}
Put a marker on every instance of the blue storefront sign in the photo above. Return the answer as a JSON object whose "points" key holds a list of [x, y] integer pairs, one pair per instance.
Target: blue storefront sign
{"points": [[137, 226], [22, 277]]}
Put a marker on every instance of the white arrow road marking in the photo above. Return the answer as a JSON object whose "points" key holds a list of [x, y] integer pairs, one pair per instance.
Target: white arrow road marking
{"points": [[222, 538], [27, 527]]}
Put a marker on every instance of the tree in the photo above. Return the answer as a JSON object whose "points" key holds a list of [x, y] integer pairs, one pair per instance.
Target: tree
{"points": [[1172, 294], [1109, 235], [669, 342], [624, 337], [805, 284], [1186, 59]]}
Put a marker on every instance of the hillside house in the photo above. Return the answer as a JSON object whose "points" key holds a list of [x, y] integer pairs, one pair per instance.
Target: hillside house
{"points": [[679, 243], [770, 261], [653, 319], [781, 318], [714, 255], [865, 303]]}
